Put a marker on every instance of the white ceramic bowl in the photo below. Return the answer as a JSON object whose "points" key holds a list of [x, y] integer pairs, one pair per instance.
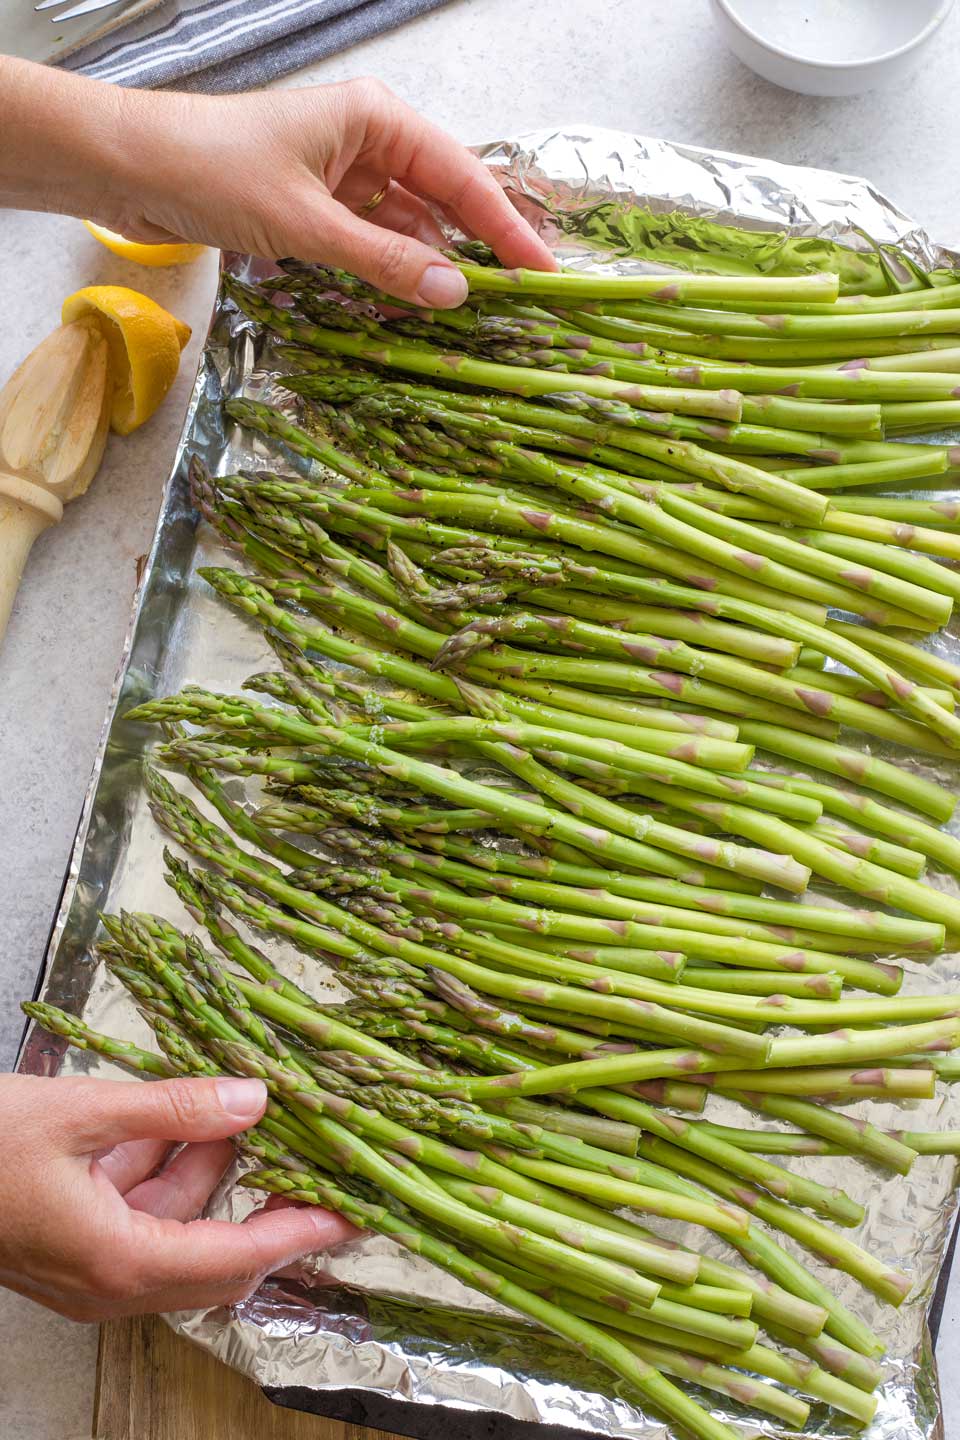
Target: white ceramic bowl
{"points": [[830, 47]]}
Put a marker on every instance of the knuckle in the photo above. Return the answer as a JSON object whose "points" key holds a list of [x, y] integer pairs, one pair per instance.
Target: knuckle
{"points": [[183, 1101], [392, 259], [473, 186], [367, 91], [252, 1260]]}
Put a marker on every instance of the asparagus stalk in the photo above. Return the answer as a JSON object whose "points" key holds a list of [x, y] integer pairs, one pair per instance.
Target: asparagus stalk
{"points": [[533, 879], [635, 720], [800, 327], [849, 1339], [259, 603], [416, 359], [396, 1173], [781, 1007], [537, 428], [882, 542], [680, 930], [911, 658], [347, 933], [802, 1376], [847, 1047], [773, 1142], [771, 348], [736, 678], [625, 757], [851, 764], [862, 877], [928, 1143], [76, 1033], [450, 785], [855, 654], [712, 911], [484, 280], [692, 1136], [586, 423], [683, 533], [891, 1285], [857, 1137], [834, 1083], [863, 811], [311, 1189], [614, 1244], [655, 542], [857, 383], [850, 1047], [910, 598], [401, 519], [308, 1101], [845, 1330]]}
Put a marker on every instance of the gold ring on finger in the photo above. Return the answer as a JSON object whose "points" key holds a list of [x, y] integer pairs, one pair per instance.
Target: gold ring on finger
{"points": [[370, 205]]}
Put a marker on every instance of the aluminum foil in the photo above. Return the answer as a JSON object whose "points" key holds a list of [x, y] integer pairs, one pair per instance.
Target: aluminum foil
{"points": [[373, 1322]]}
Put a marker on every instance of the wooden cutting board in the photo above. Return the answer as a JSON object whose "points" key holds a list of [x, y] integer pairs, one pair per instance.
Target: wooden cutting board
{"points": [[153, 1385]]}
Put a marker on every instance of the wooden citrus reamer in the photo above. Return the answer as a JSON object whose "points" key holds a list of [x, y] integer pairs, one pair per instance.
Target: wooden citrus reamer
{"points": [[54, 420]]}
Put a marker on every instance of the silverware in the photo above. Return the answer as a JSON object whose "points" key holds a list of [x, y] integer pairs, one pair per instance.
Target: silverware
{"points": [[75, 12]]}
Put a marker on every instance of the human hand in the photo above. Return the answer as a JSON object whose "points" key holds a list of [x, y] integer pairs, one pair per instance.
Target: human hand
{"points": [[97, 1219], [274, 173]]}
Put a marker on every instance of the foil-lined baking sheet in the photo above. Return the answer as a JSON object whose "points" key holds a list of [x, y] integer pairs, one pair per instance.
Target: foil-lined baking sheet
{"points": [[373, 1320]]}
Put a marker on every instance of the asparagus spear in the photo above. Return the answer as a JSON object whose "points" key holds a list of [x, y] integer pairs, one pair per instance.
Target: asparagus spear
{"points": [[856, 1136], [799, 327], [725, 944], [596, 1343], [424, 360], [364, 1157], [576, 885], [58, 1022], [449, 784], [483, 280]]}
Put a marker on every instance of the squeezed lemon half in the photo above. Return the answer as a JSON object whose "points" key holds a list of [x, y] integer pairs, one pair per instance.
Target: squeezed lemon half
{"points": [[145, 343]]}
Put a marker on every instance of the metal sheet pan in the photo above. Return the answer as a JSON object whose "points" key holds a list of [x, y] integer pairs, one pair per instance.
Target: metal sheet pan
{"points": [[373, 1334]]}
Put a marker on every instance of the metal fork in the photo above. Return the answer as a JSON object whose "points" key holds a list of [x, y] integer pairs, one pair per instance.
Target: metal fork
{"points": [[76, 12]]}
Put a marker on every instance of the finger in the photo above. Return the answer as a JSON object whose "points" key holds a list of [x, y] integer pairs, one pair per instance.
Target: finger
{"points": [[399, 264], [295, 1271], [328, 1231], [479, 206], [127, 1164], [436, 165], [183, 1187], [398, 210], [407, 215], [93, 1113], [215, 1257]]}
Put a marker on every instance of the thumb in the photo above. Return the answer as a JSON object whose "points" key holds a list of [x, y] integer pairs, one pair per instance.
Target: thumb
{"points": [[210, 1256], [101, 1113], [398, 264]]}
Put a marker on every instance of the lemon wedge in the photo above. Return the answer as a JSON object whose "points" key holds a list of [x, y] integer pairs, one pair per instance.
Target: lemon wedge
{"points": [[145, 343], [179, 253]]}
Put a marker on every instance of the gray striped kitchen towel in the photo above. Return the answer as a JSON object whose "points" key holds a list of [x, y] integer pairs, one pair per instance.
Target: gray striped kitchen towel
{"points": [[228, 45]]}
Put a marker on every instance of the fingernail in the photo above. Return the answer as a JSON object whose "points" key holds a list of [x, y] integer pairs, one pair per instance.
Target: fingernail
{"points": [[244, 1099], [442, 287]]}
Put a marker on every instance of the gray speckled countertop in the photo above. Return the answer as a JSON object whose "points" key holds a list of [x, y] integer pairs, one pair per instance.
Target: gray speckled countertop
{"points": [[481, 68]]}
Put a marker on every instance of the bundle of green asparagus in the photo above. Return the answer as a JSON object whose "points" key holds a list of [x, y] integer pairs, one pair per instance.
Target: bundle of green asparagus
{"points": [[547, 614]]}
